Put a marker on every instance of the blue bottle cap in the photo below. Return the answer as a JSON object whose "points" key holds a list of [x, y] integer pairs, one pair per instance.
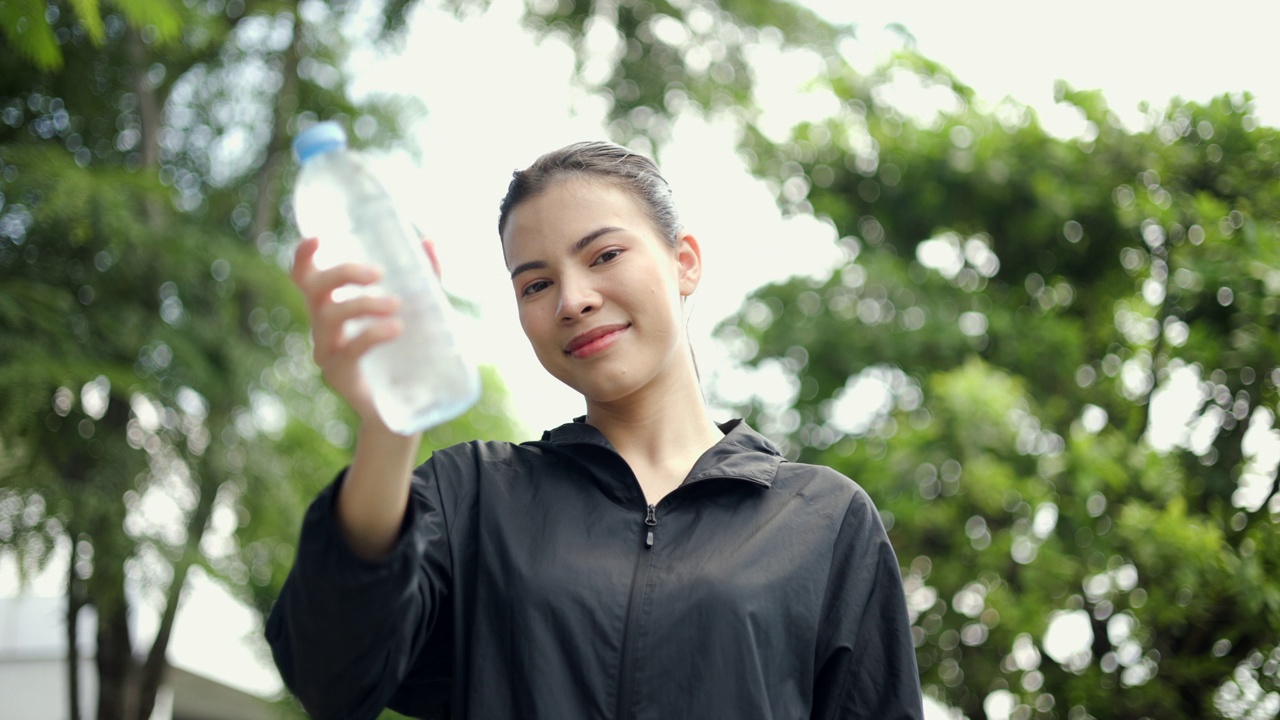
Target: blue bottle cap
{"points": [[320, 138]]}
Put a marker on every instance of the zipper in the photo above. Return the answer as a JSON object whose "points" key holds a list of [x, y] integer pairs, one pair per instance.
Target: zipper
{"points": [[638, 581]]}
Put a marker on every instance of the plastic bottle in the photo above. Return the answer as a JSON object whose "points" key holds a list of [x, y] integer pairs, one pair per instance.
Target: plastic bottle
{"points": [[419, 379]]}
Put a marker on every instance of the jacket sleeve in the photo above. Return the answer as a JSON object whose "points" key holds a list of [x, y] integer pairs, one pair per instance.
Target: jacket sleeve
{"points": [[866, 662], [346, 632]]}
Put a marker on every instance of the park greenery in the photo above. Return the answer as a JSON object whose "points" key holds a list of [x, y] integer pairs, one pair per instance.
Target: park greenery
{"points": [[1053, 365], [158, 406], [1052, 362]]}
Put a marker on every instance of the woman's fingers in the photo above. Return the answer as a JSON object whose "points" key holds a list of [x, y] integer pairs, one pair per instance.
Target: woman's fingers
{"points": [[303, 259], [336, 354], [327, 327], [318, 285], [430, 248], [369, 305], [346, 354]]}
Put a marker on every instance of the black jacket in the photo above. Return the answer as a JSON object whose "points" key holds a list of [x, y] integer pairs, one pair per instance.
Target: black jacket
{"points": [[533, 581]]}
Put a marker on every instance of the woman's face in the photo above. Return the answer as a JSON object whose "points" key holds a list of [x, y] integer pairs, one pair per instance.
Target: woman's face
{"points": [[599, 291]]}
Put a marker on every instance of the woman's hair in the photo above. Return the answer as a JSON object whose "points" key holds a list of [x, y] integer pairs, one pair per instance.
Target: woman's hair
{"points": [[604, 162]]}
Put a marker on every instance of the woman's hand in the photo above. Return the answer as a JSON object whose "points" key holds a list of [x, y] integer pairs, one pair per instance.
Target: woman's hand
{"points": [[337, 355]]}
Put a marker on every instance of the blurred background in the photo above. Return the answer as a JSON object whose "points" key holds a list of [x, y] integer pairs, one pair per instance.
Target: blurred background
{"points": [[1013, 267]]}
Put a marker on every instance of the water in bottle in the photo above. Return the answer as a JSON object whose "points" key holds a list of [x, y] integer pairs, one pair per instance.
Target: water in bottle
{"points": [[419, 379]]}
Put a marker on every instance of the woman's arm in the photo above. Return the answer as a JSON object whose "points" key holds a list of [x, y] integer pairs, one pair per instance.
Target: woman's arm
{"points": [[347, 630], [375, 494], [373, 568], [866, 659], [373, 499]]}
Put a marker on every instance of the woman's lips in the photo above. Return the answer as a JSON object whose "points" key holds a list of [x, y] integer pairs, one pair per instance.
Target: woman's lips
{"points": [[594, 340]]}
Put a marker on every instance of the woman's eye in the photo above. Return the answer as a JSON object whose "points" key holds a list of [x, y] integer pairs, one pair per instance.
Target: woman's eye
{"points": [[607, 256], [534, 287]]}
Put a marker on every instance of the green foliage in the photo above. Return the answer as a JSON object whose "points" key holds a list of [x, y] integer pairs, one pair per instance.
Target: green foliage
{"points": [[158, 404], [671, 57], [37, 31], [987, 364], [24, 26]]}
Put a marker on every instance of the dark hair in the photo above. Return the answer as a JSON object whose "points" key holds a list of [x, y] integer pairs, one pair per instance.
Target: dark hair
{"points": [[603, 161]]}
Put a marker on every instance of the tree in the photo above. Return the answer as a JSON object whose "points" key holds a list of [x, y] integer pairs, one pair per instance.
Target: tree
{"points": [[1052, 363], [653, 61], [156, 389]]}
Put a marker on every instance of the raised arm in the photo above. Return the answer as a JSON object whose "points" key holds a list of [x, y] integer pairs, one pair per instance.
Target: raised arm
{"points": [[368, 590], [372, 501]]}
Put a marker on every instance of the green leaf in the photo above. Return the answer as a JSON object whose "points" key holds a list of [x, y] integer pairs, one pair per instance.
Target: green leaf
{"points": [[91, 18], [163, 15], [23, 23]]}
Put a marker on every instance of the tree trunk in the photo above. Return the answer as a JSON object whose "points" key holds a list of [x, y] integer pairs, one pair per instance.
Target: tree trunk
{"points": [[106, 590], [115, 659], [74, 601]]}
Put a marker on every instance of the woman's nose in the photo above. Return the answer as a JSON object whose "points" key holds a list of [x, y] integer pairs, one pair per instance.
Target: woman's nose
{"points": [[577, 298]]}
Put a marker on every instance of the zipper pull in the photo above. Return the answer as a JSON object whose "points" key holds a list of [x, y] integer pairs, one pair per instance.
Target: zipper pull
{"points": [[650, 519]]}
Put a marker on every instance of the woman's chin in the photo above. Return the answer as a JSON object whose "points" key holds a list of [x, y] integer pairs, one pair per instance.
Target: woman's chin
{"points": [[602, 391]]}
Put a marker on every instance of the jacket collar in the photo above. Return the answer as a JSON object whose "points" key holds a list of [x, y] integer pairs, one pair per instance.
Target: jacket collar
{"points": [[742, 454]]}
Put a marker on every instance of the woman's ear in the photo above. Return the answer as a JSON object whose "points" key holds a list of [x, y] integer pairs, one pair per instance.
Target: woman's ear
{"points": [[688, 263]]}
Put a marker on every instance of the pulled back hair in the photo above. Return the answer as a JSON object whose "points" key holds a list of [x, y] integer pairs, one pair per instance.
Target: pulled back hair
{"points": [[602, 162]]}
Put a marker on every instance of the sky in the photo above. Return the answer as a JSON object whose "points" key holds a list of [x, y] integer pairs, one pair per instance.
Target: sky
{"points": [[495, 100], [1134, 51]]}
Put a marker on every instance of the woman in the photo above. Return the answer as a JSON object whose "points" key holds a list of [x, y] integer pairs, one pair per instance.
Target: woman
{"points": [[639, 562]]}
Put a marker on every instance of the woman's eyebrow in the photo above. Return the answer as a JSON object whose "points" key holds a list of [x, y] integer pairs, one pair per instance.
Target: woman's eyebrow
{"points": [[578, 247]]}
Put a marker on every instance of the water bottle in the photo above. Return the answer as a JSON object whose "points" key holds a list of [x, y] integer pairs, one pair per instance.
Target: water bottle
{"points": [[419, 379]]}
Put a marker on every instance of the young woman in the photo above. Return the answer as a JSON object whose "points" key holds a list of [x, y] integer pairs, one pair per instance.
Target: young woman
{"points": [[639, 562]]}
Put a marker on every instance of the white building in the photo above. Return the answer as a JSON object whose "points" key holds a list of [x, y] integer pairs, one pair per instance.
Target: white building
{"points": [[33, 669]]}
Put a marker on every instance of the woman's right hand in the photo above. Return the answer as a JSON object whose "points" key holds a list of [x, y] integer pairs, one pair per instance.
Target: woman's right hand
{"points": [[337, 355]]}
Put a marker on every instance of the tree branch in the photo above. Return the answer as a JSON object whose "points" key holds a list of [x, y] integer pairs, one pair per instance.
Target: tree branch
{"points": [[1161, 252], [148, 119], [148, 103], [153, 668], [268, 179]]}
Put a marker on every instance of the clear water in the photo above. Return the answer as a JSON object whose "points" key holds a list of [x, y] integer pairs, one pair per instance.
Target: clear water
{"points": [[419, 379]]}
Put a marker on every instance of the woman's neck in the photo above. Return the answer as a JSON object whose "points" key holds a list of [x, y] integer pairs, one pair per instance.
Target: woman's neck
{"points": [[665, 425]]}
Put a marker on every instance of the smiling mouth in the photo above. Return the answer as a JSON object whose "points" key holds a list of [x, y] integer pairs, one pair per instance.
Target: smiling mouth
{"points": [[595, 340]]}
